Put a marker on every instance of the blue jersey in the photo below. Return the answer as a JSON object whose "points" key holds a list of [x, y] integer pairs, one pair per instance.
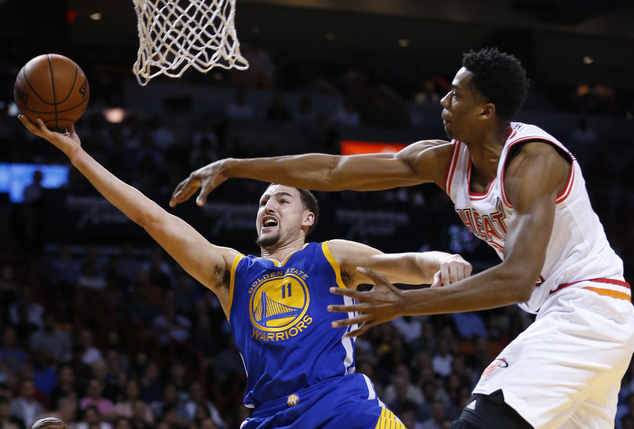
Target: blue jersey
{"points": [[280, 323]]}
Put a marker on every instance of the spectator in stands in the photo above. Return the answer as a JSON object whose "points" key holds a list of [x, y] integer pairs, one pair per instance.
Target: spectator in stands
{"points": [[27, 311], [437, 417], [90, 278], [410, 328], [229, 363], [202, 154], [196, 399], [66, 411], [91, 419], [125, 407], [207, 423], [58, 342], [160, 272], [63, 268], [8, 421], [25, 407], [44, 376], [203, 338], [178, 380], [9, 291], [115, 367], [402, 391], [171, 398], [149, 383], [122, 423], [470, 325], [65, 386], [90, 354], [169, 324], [583, 134], [95, 398], [345, 116], [427, 94], [239, 108], [99, 370], [170, 416], [162, 136], [138, 420], [278, 110], [12, 356], [441, 362], [128, 264], [304, 114], [625, 409], [5, 374]]}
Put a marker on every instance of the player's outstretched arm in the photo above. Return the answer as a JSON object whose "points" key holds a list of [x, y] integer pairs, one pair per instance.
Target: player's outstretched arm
{"points": [[420, 162], [533, 181], [435, 268], [207, 263]]}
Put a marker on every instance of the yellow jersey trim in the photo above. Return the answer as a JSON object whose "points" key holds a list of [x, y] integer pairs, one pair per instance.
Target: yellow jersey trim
{"points": [[387, 420], [234, 267], [334, 263], [281, 264]]}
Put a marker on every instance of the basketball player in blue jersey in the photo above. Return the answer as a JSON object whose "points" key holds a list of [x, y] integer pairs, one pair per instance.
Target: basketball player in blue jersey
{"points": [[300, 371]]}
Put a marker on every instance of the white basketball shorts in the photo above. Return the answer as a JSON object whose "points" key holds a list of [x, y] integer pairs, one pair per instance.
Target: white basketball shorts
{"points": [[565, 370]]}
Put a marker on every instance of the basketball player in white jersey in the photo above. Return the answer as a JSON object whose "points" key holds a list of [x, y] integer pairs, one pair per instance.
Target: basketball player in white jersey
{"points": [[522, 191]]}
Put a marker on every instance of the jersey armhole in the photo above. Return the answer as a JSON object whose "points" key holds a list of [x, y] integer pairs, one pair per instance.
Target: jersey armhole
{"points": [[451, 166], [517, 148], [234, 267], [333, 263]]}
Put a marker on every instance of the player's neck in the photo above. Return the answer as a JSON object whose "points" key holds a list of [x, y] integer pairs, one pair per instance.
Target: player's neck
{"points": [[486, 155], [280, 251]]}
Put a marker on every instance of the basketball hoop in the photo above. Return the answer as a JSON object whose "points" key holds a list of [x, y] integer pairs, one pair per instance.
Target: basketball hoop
{"points": [[177, 34]]}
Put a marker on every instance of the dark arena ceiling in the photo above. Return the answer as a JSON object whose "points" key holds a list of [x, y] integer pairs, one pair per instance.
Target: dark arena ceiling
{"points": [[554, 35]]}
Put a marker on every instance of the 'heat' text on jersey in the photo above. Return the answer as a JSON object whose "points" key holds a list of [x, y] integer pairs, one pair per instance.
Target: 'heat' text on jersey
{"points": [[490, 228]]}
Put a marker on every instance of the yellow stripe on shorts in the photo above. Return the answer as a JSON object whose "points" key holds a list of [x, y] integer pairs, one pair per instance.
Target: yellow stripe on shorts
{"points": [[388, 420]]}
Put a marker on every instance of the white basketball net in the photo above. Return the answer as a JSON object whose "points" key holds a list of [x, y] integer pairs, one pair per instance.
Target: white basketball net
{"points": [[177, 34]]}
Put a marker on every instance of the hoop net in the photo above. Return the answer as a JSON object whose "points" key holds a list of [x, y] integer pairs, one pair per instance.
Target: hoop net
{"points": [[177, 34]]}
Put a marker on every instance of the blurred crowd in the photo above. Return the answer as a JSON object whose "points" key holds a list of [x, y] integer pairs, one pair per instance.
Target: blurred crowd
{"points": [[121, 338], [126, 340]]}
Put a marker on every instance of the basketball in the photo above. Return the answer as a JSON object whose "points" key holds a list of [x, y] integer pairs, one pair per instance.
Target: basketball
{"points": [[53, 88]]}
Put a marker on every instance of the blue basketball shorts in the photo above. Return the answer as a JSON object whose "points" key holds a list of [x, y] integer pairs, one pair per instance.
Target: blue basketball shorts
{"points": [[345, 402]]}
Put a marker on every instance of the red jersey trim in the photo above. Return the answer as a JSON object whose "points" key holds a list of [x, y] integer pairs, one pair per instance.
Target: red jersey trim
{"points": [[567, 189], [599, 280], [451, 166]]}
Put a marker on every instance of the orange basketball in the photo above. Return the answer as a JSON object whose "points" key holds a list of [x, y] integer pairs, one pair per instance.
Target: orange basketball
{"points": [[53, 88]]}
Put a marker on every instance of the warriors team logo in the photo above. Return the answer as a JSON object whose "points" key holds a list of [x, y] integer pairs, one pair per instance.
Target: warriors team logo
{"points": [[278, 305]]}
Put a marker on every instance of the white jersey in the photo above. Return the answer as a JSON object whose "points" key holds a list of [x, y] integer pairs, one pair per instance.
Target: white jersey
{"points": [[578, 248]]}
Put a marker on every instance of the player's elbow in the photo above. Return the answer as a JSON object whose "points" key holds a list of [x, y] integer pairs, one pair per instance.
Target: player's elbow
{"points": [[518, 286]]}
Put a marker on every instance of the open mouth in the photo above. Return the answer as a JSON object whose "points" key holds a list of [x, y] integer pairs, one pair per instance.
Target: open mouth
{"points": [[269, 222]]}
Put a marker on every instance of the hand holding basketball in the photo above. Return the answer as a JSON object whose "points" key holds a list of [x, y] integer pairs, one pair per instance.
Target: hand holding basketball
{"points": [[68, 143]]}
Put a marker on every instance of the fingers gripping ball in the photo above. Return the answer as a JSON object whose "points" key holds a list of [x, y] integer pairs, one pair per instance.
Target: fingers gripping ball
{"points": [[53, 88]]}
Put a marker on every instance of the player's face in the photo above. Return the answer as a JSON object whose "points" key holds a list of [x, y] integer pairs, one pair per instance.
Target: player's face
{"points": [[462, 107], [280, 217]]}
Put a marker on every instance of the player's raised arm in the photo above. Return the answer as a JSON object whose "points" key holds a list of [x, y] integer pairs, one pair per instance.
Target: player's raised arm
{"points": [[204, 261], [533, 180], [417, 268], [420, 162]]}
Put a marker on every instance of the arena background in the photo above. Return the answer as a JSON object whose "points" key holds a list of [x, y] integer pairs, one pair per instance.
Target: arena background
{"points": [[85, 293]]}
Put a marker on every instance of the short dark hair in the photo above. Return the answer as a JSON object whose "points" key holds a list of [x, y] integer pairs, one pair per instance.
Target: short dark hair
{"points": [[310, 203], [499, 78]]}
